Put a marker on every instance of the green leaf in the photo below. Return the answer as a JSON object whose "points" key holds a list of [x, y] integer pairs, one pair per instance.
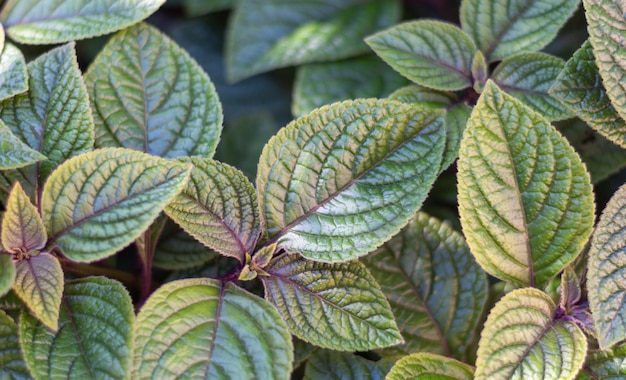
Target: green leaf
{"points": [[178, 250], [302, 351], [201, 328], [39, 283], [51, 22], [13, 73], [22, 228], [218, 207], [436, 290], [521, 340], [148, 94], [424, 96], [579, 86], [335, 202], [95, 334], [528, 77], [268, 34], [608, 364], [456, 120], [480, 72], [99, 202], [335, 306], [324, 83], [525, 197], [13, 152], [327, 364], [606, 273], [194, 8], [7, 273], [424, 366], [503, 28], [431, 53], [607, 31], [12, 365]]}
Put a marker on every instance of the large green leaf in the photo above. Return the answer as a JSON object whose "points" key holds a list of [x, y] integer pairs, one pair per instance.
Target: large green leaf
{"points": [[99, 202], [608, 364], [431, 53], [521, 340], [579, 86], [7, 273], [13, 73], [318, 84], [13, 152], [327, 364], [176, 250], [95, 334], [424, 366], [606, 276], [22, 228], [202, 328], [12, 365], [268, 34], [53, 22], [339, 181], [436, 290], [504, 28], [607, 33], [218, 207], [148, 94], [528, 77], [336, 306], [39, 283], [525, 197]]}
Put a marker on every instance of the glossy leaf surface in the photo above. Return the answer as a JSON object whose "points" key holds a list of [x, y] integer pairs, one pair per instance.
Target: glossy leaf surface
{"points": [[12, 365], [424, 366], [327, 364], [22, 228], [13, 152], [13, 73]]}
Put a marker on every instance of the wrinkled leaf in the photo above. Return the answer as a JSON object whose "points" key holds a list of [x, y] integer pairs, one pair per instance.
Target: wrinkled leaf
{"points": [[336, 306], [525, 197], [13, 152], [22, 228], [53, 22], [13, 73], [201, 328], [178, 250], [424, 366], [427, 97], [97, 203], [326, 364], [7, 274], [430, 53], [148, 94], [95, 334], [12, 365], [608, 364], [521, 340], [335, 202]]}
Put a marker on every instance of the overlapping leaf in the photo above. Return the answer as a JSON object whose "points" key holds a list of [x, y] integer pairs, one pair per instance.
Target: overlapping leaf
{"points": [[13, 152], [338, 182], [99, 202], [606, 276], [579, 86], [22, 228], [504, 28], [528, 77], [424, 96], [324, 83], [178, 250], [12, 365], [201, 328], [336, 306], [436, 290], [521, 340], [53, 22], [268, 34], [431, 53], [424, 366], [148, 94], [327, 364], [525, 198], [608, 364], [13, 73], [94, 338], [218, 207]]}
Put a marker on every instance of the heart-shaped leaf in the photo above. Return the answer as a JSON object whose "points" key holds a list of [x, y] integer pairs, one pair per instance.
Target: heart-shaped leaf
{"points": [[424, 366], [13, 152], [13, 73], [12, 365], [327, 364], [22, 228]]}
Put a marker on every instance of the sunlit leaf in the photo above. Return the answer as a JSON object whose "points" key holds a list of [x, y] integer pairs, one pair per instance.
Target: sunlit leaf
{"points": [[13, 152], [7, 274], [13, 73], [327, 364], [424, 366], [608, 364], [12, 365], [22, 228]]}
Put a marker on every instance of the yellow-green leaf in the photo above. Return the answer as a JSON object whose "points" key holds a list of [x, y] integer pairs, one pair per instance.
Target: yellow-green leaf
{"points": [[22, 228], [424, 366]]}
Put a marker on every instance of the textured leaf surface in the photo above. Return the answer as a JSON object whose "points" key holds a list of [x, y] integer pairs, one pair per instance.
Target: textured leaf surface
{"points": [[431, 53], [580, 86], [318, 84], [335, 202], [12, 365], [336, 306], [609, 364], [53, 22], [178, 250], [606, 276], [522, 341], [528, 77], [7, 273], [13, 152], [420, 95], [504, 28], [99, 202], [436, 290], [22, 227], [525, 198], [95, 334], [201, 328], [268, 34], [13, 73], [218, 207], [148, 94], [326, 364], [424, 366]]}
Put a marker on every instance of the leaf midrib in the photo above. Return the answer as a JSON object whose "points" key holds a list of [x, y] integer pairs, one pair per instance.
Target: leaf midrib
{"points": [[496, 42], [218, 312], [79, 342]]}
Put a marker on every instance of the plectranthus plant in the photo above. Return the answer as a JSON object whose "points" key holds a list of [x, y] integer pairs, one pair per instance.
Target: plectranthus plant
{"points": [[325, 263]]}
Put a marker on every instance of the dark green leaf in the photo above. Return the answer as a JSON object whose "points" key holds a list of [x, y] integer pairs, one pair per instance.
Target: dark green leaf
{"points": [[424, 366], [195, 8], [22, 228], [12, 365], [178, 250]]}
